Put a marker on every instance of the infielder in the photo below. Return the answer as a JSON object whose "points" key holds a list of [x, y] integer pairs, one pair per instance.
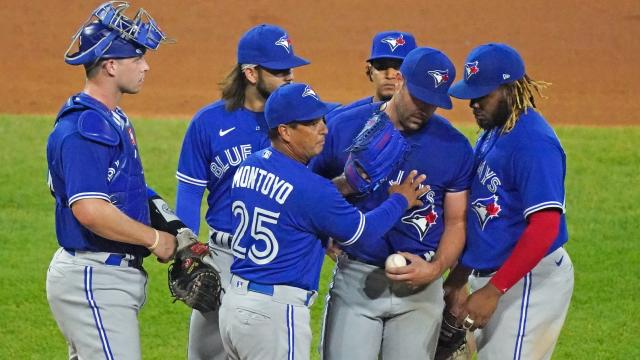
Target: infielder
{"points": [[220, 136], [388, 49], [521, 276], [96, 284], [283, 214], [399, 317]]}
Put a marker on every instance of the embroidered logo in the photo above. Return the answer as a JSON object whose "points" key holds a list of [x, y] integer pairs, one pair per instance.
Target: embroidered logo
{"points": [[439, 76], [486, 209], [471, 69], [394, 42], [284, 42]]}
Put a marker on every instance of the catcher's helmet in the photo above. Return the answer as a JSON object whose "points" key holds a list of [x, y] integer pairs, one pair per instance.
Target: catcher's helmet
{"points": [[109, 34]]}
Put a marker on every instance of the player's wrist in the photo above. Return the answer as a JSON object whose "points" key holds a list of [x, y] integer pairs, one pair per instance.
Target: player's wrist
{"points": [[156, 240], [497, 289]]}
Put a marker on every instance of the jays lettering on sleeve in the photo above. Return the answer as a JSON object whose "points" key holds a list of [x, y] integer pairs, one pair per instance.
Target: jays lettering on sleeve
{"points": [[215, 143], [437, 150], [282, 214], [517, 174]]}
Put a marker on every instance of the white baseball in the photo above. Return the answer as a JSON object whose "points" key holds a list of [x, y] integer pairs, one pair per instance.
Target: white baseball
{"points": [[394, 261]]}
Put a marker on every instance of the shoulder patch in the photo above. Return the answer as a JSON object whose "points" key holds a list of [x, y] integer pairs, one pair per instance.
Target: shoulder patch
{"points": [[94, 126]]}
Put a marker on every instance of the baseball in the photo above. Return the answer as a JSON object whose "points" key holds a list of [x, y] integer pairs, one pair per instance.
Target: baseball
{"points": [[394, 261]]}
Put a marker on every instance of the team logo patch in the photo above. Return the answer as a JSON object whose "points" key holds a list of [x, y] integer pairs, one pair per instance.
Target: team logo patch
{"points": [[132, 137], [284, 42], [394, 41], [439, 76], [470, 69], [486, 209], [309, 92], [422, 219]]}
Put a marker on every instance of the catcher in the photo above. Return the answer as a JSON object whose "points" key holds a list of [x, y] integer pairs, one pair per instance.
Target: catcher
{"points": [[404, 305], [193, 277]]}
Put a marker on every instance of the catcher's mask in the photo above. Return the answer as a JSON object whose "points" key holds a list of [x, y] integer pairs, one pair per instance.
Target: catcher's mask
{"points": [[109, 34]]}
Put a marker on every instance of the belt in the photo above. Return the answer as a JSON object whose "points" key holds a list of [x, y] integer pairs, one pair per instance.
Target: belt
{"points": [[220, 238], [283, 292], [111, 259], [483, 272]]}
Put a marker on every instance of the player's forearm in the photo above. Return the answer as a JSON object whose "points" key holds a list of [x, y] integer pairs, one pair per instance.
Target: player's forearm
{"points": [[343, 186], [451, 244], [105, 220]]}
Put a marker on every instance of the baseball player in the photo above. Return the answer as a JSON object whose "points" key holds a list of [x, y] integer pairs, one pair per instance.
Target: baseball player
{"points": [[399, 316], [520, 274], [282, 214], [96, 284], [220, 136], [388, 49]]}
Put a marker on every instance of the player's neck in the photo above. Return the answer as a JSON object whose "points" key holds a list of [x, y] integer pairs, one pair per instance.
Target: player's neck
{"points": [[389, 108], [253, 100], [288, 151], [107, 95]]}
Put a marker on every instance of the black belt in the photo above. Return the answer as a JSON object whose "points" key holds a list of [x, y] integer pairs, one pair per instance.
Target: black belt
{"points": [[483, 272], [351, 257], [115, 259]]}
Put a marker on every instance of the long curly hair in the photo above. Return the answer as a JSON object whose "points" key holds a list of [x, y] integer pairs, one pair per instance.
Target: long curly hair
{"points": [[520, 97], [233, 87]]}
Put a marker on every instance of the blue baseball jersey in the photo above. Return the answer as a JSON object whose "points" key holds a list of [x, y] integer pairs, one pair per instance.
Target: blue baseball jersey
{"points": [[437, 150], [215, 144], [517, 174], [337, 111], [283, 214], [92, 153]]}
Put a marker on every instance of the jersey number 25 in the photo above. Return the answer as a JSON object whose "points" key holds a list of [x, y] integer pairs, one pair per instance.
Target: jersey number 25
{"points": [[259, 232]]}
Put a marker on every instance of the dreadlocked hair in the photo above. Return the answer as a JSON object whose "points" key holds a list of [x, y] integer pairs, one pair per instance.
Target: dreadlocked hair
{"points": [[520, 97], [232, 88]]}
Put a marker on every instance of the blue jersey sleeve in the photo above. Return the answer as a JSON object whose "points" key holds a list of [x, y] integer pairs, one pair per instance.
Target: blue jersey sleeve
{"points": [[348, 225], [464, 174], [193, 165], [539, 170], [188, 200], [85, 168]]}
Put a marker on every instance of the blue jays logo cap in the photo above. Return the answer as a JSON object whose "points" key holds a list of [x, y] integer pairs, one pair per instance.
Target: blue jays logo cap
{"points": [[392, 45], [486, 68], [294, 102], [268, 46], [428, 74]]}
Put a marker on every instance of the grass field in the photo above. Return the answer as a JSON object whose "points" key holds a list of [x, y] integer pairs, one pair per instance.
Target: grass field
{"points": [[602, 212]]}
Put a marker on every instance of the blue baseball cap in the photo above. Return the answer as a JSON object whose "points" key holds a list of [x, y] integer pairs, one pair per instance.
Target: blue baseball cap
{"points": [[268, 46], [486, 68], [294, 102], [392, 45], [428, 74]]}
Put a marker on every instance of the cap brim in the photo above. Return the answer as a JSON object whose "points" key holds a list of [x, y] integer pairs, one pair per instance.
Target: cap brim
{"points": [[289, 63], [440, 100], [462, 90]]}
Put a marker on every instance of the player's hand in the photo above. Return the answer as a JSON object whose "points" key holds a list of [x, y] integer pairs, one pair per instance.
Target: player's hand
{"points": [[166, 249], [333, 249], [411, 188], [418, 272], [480, 306]]}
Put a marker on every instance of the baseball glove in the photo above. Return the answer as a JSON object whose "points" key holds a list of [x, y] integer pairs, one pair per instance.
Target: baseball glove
{"points": [[452, 338], [375, 153], [193, 277]]}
